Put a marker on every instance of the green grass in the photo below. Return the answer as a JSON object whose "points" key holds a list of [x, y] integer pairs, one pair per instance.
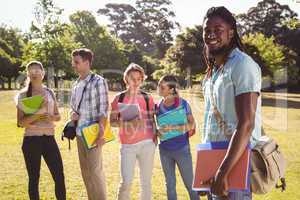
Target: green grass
{"points": [[13, 177]]}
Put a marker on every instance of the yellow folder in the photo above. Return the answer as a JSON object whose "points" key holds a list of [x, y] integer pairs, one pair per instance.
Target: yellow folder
{"points": [[90, 133]]}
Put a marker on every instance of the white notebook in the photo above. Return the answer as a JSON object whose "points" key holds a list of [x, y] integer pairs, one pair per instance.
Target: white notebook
{"points": [[129, 111]]}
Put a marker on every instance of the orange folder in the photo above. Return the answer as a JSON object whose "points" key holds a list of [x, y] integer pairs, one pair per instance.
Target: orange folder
{"points": [[208, 161]]}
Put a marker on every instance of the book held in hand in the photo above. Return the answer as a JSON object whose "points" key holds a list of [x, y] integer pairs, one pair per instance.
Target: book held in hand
{"points": [[30, 105], [129, 112], [176, 116], [90, 133], [209, 159]]}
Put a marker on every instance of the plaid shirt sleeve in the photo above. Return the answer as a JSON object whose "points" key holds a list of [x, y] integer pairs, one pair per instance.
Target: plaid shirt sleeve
{"points": [[102, 97], [72, 99]]}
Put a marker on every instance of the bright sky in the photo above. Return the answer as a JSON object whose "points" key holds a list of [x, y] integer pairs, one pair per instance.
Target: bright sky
{"points": [[19, 13]]}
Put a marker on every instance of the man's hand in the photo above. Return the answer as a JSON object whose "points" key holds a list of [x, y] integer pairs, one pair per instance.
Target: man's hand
{"points": [[74, 116], [100, 141], [219, 185]]}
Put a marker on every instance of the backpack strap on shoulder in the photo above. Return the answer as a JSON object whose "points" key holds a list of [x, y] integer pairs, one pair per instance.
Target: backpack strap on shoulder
{"points": [[146, 97], [121, 97], [120, 100]]}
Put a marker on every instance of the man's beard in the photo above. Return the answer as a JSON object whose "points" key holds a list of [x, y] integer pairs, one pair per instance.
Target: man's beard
{"points": [[220, 51]]}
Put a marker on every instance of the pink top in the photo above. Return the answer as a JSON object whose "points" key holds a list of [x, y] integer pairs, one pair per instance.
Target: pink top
{"points": [[133, 135], [40, 128]]}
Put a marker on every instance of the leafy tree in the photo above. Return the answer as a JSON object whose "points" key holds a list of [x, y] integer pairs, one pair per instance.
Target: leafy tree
{"points": [[267, 17], [253, 51], [290, 37], [133, 53], [55, 54], [280, 22], [148, 24], [11, 44], [85, 28], [276, 57], [108, 50], [167, 67], [49, 42], [8, 65], [150, 65], [186, 53]]}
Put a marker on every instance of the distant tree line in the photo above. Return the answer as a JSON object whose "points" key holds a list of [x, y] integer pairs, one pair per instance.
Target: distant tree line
{"points": [[142, 33]]}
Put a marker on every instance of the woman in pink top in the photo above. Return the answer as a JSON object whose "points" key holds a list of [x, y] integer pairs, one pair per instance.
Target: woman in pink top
{"points": [[136, 135], [39, 138]]}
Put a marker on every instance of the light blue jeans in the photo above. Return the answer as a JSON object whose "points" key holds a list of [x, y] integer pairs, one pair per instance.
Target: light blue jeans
{"points": [[241, 195], [183, 159]]}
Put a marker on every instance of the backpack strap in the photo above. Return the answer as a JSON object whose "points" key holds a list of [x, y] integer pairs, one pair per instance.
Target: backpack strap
{"points": [[157, 106], [146, 97], [121, 97], [120, 100], [83, 91]]}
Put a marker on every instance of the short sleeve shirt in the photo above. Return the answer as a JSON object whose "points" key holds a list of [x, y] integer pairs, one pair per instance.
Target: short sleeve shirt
{"points": [[130, 135], [241, 74]]}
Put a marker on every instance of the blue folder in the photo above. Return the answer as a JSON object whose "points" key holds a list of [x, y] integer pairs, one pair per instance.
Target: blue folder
{"points": [[173, 117]]}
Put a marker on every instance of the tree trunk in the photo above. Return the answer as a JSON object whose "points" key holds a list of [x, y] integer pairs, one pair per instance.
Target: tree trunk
{"points": [[56, 78], [9, 83], [189, 78], [56, 82]]}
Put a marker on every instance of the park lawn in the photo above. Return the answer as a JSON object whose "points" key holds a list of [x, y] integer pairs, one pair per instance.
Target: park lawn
{"points": [[281, 123]]}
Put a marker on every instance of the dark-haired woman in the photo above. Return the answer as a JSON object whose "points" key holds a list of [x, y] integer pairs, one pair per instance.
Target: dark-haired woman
{"points": [[39, 133], [176, 150]]}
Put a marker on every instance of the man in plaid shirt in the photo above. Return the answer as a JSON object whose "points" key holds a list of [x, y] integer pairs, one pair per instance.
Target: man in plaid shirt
{"points": [[93, 107]]}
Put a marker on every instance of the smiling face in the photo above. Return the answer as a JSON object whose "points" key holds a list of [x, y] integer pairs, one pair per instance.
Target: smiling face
{"points": [[164, 89], [134, 80], [217, 35], [35, 73]]}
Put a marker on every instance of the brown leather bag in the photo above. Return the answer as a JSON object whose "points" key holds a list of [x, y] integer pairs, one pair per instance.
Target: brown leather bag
{"points": [[267, 166]]}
